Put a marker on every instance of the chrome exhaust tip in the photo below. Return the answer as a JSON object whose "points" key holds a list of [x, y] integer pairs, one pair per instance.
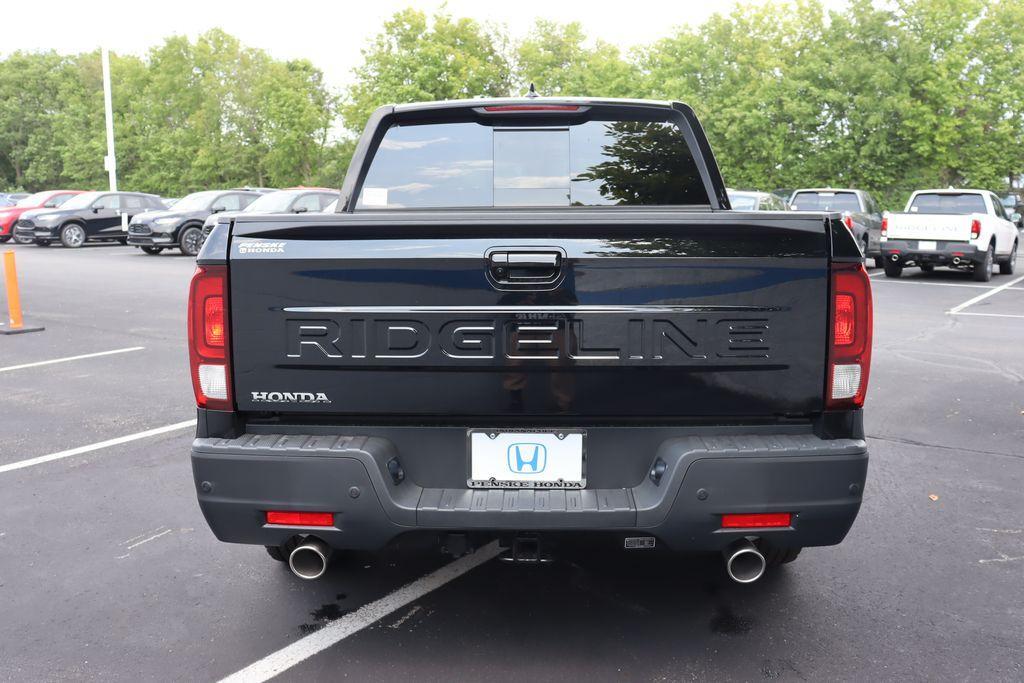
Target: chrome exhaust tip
{"points": [[894, 258], [956, 260], [744, 563], [309, 559]]}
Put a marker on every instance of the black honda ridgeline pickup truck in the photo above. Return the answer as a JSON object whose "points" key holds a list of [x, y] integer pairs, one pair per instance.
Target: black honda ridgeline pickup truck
{"points": [[536, 321]]}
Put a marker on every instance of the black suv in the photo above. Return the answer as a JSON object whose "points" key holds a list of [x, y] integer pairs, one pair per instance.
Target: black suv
{"points": [[182, 226], [91, 216]]}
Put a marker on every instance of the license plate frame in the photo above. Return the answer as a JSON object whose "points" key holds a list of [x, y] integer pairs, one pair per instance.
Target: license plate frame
{"points": [[927, 245], [553, 440]]}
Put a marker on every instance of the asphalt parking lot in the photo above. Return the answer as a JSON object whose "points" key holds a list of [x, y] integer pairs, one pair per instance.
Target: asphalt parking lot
{"points": [[108, 571]]}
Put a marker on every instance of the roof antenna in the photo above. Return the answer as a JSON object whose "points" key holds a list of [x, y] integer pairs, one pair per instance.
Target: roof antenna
{"points": [[532, 93]]}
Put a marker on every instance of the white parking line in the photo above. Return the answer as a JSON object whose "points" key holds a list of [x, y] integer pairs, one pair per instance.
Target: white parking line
{"points": [[992, 315], [970, 302], [336, 631], [21, 464], [71, 358]]}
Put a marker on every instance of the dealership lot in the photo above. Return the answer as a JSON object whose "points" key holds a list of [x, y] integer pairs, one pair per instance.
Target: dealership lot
{"points": [[107, 568]]}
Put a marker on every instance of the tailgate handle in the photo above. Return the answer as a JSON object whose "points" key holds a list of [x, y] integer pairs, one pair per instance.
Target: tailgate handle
{"points": [[525, 266]]}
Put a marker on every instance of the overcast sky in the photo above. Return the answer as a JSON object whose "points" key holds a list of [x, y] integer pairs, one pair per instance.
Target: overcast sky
{"points": [[329, 34]]}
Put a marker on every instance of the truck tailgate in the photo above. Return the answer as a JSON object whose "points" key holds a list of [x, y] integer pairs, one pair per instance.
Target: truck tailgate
{"points": [[590, 313], [938, 226]]}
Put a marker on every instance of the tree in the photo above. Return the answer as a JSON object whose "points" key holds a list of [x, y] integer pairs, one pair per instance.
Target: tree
{"points": [[554, 57], [415, 59]]}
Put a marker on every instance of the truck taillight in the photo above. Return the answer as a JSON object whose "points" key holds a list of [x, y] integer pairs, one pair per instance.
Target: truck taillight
{"points": [[885, 226], [848, 222], [849, 358], [975, 228], [208, 341]]}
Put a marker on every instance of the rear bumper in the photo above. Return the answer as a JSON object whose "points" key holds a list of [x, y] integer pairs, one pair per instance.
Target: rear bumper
{"points": [[942, 255], [820, 481]]}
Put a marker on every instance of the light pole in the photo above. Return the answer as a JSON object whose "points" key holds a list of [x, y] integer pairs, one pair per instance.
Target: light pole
{"points": [[110, 161]]}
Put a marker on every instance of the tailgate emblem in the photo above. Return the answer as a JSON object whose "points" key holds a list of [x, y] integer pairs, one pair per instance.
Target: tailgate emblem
{"points": [[523, 457], [289, 397]]}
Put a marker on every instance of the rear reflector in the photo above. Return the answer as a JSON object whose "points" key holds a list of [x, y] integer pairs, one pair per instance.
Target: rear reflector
{"points": [[757, 520], [300, 518]]}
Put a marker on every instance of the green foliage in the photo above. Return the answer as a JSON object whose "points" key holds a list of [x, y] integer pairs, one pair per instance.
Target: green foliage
{"points": [[190, 116], [886, 96], [555, 58], [415, 59]]}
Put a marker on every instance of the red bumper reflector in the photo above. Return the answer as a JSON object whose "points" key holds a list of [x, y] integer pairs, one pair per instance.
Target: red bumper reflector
{"points": [[757, 520], [300, 518]]}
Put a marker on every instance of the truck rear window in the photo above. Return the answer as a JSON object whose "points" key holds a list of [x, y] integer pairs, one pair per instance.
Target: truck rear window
{"points": [[593, 163], [825, 201], [935, 202]]}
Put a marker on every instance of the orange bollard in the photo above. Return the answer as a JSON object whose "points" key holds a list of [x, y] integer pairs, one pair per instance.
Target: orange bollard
{"points": [[13, 298]]}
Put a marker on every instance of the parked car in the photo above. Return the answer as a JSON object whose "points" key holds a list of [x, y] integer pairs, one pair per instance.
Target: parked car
{"points": [[963, 229], [50, 199], [182, 226], [17, 196], [749, 200], [303, 200], [1013, 203], [861, 214], [523, 350], [6, 201], [86, 217], [169, 202]]}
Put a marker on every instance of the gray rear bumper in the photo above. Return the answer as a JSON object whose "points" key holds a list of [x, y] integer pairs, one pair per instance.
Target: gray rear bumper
{"points": [[820, 481]]}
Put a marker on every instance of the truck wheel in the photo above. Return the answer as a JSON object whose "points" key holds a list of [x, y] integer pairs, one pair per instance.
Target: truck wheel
{"points": [[190, 241], [893, 269], [152, 251], [983, 271], [72, 235], [1008, 266], [927, 268], [773, 557]]}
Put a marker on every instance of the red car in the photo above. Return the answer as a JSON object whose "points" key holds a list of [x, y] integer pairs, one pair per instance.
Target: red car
{"points": [[50, 199]]}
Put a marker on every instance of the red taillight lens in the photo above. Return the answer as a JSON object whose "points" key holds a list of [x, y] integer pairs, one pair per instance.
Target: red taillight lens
{"points": [[844, 323], [300, 518], [758, 520], [848, 222], [532, 107], [975, 228], [849, 358], [213, 325], [885, 226], [208, 338]]}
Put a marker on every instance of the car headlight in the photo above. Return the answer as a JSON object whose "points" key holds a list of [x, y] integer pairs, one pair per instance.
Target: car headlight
{"points": [[168, 220]]}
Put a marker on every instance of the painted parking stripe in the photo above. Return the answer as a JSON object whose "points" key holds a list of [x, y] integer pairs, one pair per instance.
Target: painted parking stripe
{"points": [[991, 315], [970, 302], [336, 631], [9, 368], [21, 464]]}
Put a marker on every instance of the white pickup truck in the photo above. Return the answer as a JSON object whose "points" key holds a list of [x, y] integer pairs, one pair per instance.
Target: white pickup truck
{"points": [[966, 229]]}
